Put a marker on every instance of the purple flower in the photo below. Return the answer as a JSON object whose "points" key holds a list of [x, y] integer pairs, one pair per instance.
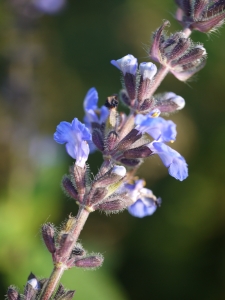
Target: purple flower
{"points": [[92, 112], [126, 64], [160, 129], [49, 6], [175, 163], [75, 135]]}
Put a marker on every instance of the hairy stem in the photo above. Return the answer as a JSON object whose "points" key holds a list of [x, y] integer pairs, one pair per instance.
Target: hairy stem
{"points": [[59, 268]]}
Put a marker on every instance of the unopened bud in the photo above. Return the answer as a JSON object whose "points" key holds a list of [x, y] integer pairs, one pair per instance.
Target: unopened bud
{"points": [[89, 262], [32, 287], [139, 152], [119, 170], [147, 105], [125, 98], [66, 296], [115, 204], [12, 293], [179, 101], [201, 15], [111, 140], [62, 294], [69, 188], [129, 139], [65, 241], [130, 162], [192, 55], [114, 175], [60, 291], [148, 70], [34, 283], [48, 232], [169, 102], [126, 64], [97, 138], [79, 178]]}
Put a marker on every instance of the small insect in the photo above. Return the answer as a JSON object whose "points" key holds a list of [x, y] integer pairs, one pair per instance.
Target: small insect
{"points": [[112, 101]]}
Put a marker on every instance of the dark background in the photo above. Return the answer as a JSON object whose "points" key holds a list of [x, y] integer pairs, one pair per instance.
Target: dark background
{"points": [[47, 64]]}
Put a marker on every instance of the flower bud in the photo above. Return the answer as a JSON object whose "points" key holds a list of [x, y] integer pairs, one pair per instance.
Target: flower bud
{"points": [[69, 188], [65, 241], [133, 136], [79, 178], [146, 106], [201, 15], [90, 262], [96, 195], [147, 70], [48, 232], [192, 55], [111, 140], [60, 291], [128, 65], [119, 170], [97, 139], [139, 152], [169, 102], [67, 296], [114, 175], [114, 203], [130, 162], [32, 287], [125, 98], [12, 293], [107, 185]]}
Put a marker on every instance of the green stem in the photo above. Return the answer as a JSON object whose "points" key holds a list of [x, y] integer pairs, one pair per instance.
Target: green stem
{"points": [[59, 268]]}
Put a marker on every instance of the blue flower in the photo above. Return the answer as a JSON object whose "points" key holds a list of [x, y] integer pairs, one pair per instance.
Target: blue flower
{"points": [[75, 135], [92, 112], [175, 163], [147, 70], [126, 64], [158, 128], [145, 203], [143, 207]]}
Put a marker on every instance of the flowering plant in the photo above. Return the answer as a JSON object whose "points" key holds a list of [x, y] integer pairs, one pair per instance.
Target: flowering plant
{"points": [[124, 141]]}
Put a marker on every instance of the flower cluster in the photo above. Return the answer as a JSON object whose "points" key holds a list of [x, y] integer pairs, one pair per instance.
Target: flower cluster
{"points": [[124, 140], [178, 53]]}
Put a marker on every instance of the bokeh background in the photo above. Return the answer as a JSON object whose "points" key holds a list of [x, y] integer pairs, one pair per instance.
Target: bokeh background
{"points": [[49, 57]]}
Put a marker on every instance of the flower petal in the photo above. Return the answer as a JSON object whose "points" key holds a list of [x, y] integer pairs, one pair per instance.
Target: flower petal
{"points": [[75, 135], [171, 159]]}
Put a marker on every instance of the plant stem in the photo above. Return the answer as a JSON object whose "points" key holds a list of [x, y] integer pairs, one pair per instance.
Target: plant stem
{"points": [[59, 268]]}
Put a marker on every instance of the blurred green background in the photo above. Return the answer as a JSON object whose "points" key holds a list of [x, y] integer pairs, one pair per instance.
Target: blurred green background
{"points": [[47, 64]]}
